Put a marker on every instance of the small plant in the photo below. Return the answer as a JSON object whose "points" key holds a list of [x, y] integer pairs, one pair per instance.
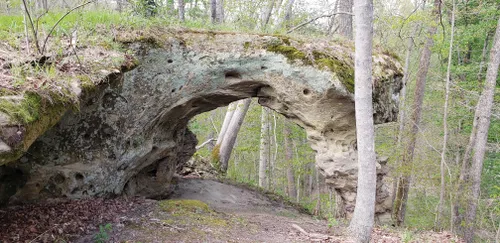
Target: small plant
{"points": [[103, 236], [407, 236], [332, 221]]}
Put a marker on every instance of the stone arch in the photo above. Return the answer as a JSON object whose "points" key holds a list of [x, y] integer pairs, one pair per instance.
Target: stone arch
{"points": [[131, 133]]}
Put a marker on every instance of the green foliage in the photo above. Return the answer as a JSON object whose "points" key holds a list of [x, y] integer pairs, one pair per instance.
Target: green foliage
{"points": [[145, 8], [103, 234], [407, 236]]}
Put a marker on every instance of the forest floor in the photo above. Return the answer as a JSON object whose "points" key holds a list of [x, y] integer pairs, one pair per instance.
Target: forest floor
{"points": [[198, 211]]}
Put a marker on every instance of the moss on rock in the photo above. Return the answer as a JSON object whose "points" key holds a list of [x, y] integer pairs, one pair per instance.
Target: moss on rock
{"points": [[289, 52]]}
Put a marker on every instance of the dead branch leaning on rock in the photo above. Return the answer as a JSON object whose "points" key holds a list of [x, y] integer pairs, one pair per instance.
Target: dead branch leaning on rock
{"points": [[311, 235]]}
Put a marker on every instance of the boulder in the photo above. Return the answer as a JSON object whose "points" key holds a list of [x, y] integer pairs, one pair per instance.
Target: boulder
{"points": [[130, 133]]}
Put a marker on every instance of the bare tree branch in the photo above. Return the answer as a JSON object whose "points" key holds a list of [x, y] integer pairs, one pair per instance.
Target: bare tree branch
{"points": [[35, 34], [205, 143], [59, 21], [316, 18]]}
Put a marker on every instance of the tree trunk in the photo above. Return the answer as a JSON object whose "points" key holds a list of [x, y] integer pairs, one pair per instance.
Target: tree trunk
{"points": [[227, 144], [345, 20], [181, 10], [220, 11], [119, 5], [483, 57], [266, 14], [264, 147], [331, 24], [317, 209], [288, 15], [404, 181], [364, 212], [225, 124], [213, 11], [401, 119], [445, 125], [482, 115], [287, 135]]}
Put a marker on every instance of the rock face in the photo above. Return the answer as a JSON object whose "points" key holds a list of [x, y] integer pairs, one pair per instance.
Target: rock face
{"points": [[130, 134]]}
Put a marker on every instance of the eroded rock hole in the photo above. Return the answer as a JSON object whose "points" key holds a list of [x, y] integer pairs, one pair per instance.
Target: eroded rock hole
{"points": [[306, 91], [232, 74], [79, 177], [170, 61]]}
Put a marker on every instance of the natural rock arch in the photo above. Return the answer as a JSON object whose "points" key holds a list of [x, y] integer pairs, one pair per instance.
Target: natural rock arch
{"points": [[130, 134]]}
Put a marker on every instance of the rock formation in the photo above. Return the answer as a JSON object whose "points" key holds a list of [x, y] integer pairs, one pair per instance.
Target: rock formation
{"points": [[130, 133]]}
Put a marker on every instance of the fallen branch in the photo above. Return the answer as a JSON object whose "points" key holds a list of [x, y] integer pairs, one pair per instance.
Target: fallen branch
{"points": [[311, 235], [205, 143], [316, 18]]}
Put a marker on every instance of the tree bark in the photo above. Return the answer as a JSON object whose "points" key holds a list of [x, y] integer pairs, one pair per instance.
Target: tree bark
{"points": [[345, 21], [266, 14], [220, 11], [483, 57], [439, 212], [482, 115], [401, 119], [288, 14], [330, 29], [264, 148], [225, 124], [364, 212], [226, 147], [404, 181], [213, 11], [287, 135], [119, 5], [181, 10]]}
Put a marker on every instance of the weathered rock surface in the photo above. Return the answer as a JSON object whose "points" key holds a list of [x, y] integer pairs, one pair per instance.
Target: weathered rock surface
{"points": [[130, 133]]}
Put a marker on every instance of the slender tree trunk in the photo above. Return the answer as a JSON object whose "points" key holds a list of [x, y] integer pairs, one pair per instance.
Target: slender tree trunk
{"points": [[119, 5], [483, 115], [266, 14], [227, 144], [277, 12], [298, 189], [345, 20], [317, 209], [404, 181], [264, 147], [311, 180], [220, 11], [483, 57], [364, 212], [181, 10], [274, 157], [213, 11], [463, 177], [25, 20], [331, 24], [225, 124], [445, 124], [288, 14], [288, 143], [402, 122]]}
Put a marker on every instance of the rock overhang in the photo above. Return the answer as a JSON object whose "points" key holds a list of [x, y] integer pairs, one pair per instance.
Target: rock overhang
{"points": [[132, 128]]}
